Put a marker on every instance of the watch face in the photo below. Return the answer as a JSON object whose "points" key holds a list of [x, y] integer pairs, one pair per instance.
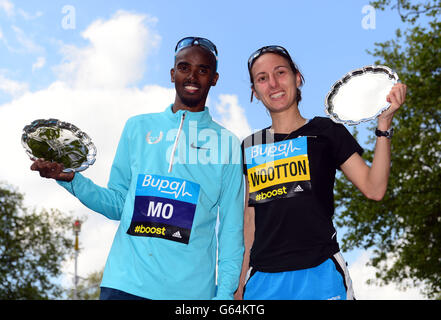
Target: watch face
{"points": [[360, 95], [58, 141]]}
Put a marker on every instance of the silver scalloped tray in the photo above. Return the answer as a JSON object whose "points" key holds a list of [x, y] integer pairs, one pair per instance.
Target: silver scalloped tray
{"points": [[360, 95], [60, 142]]}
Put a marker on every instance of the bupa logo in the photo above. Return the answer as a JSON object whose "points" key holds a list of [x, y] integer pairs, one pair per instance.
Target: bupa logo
{"points": [[176, 189], [283, 148]]}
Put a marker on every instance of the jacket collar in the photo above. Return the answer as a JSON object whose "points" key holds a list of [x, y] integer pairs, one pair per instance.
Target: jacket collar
{"points": [[202, 117]]}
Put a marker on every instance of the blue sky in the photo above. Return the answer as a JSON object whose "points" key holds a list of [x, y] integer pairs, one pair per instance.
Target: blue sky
{"points": [[47, 49], [325, 38]]}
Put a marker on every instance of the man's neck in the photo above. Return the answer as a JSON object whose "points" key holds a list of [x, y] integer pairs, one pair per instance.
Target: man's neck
{"points": [[178, 105]]}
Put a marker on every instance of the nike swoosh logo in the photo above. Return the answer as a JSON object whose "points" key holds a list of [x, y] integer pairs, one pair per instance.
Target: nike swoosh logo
{"points": [[196, 147]]}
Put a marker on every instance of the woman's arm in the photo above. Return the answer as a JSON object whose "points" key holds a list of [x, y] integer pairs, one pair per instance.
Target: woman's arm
{"points": [[372, 181]]}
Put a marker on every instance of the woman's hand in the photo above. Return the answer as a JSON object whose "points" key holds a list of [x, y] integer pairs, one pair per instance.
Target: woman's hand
{"points": [[396, 98]]}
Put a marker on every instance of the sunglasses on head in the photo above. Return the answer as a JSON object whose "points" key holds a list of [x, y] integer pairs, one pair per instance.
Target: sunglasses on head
{"points": [[266, 49], [196, 41]]}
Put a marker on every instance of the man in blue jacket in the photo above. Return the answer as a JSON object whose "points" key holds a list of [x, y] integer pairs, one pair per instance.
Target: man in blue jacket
{"points": [[175, 174]]}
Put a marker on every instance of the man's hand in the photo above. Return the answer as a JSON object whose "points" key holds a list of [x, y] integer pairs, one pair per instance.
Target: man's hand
{"points": [[52, 170]]}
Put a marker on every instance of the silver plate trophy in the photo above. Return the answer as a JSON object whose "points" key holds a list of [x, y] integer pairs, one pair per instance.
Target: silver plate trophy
{"points": [[58, 141], [360, 95]]}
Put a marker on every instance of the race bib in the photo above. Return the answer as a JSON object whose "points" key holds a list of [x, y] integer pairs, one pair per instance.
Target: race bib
{"points": [[278, 170], [164, 208]]}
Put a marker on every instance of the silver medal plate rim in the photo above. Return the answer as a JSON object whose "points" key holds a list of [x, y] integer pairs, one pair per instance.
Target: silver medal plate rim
{"points": [[55, 123], [373, 69]]}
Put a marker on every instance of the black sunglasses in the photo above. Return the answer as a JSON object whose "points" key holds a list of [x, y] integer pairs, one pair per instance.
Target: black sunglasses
{"points": [[259, 52], [196, 41]]}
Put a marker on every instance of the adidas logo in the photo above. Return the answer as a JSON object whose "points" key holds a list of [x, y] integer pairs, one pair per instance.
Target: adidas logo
{"points": [[177, 234], [298, 189]]}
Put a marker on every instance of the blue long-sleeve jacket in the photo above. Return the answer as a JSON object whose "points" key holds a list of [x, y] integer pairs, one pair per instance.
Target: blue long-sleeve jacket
{"points": [[166, 245]]}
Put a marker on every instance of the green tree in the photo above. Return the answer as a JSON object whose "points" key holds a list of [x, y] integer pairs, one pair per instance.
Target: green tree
{"points": [[411, 10], [404, 229], [33, 246]]}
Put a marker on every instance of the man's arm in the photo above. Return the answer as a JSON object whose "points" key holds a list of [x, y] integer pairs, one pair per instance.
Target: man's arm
{"points": [[107, 201], [248, 232], [230, 231]]}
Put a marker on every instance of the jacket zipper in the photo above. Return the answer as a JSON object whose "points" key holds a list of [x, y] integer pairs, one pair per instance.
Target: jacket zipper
{"points": [[172, 157]]}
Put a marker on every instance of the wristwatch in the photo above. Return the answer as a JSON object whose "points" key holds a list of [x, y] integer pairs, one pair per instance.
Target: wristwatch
{"points": [[388, 133]]}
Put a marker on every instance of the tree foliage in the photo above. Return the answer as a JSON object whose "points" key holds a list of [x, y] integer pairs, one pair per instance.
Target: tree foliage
{"points": [[404, 229], [33, 246], [411, 11]]}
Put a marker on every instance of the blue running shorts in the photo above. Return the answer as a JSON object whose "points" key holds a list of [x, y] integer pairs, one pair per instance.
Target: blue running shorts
{"points": [[328, 281]]}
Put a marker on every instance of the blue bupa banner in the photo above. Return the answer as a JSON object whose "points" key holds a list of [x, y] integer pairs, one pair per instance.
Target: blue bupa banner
{"points": [[164, 208]]}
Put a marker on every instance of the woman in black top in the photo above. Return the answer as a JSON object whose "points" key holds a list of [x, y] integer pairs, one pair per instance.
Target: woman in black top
{"points": [[291, 251]]}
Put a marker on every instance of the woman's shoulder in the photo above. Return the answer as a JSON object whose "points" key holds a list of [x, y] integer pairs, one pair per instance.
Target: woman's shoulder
{"points": [[326, 124], [252, 137], [323, 121]]}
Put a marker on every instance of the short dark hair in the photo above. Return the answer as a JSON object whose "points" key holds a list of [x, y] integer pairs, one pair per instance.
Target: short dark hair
{"points": [[197, 41]]}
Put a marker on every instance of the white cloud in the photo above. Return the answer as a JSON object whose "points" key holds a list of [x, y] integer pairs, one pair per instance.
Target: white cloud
{"points": [[25, 41], [233, 115], [10, 10], [40, 63], [7, 6], [116, 55], [12, 87], [28, 16], [5, 41], [360, 273]]}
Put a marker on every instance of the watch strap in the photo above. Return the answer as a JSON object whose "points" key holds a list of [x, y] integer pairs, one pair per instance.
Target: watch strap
{"points": [[388, 133]]}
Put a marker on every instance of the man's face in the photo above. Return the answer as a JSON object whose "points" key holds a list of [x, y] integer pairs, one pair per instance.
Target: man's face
{"points": [[193, 74]]}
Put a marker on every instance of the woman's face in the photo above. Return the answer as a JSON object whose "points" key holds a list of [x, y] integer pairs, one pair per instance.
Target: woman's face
{"points": [[275, 84]]}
